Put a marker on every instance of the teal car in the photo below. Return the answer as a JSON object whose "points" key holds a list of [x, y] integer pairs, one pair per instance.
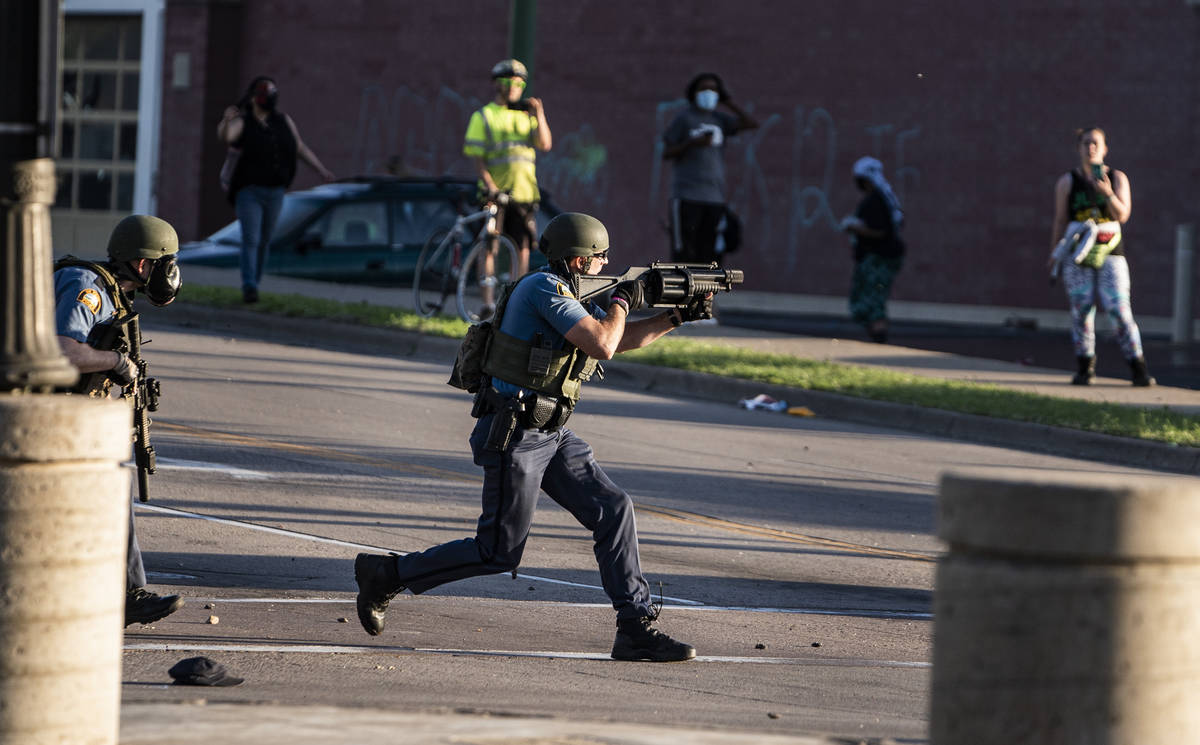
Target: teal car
{"points": [[365, 230]]}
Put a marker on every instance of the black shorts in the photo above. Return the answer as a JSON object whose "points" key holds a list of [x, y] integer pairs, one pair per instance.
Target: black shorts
{"points": [[519, 222]]}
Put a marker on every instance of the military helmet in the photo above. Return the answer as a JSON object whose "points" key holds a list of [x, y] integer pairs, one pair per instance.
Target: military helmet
{"points": [[573, 234], [510, 68], [142, 237]]}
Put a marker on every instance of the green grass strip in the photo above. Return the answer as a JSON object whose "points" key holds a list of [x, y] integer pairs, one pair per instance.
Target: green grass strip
{"points": [[1157, 424]]}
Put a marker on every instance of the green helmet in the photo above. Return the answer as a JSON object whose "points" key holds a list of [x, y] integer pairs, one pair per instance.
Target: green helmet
{"points": [[573, 234], [510, 68], [142, 237]]}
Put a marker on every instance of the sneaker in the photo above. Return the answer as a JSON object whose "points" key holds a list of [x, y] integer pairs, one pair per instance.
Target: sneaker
{"points": [[249, 294], [143, 606], [637, 639], [377, 585]]}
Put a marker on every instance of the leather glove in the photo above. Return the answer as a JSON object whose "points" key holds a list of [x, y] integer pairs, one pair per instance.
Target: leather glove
{"points": [[632, 292], [698, 309], [124, 372]]}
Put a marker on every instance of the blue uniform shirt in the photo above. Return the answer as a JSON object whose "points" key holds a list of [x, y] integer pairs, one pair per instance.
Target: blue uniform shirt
{"points": [[80, 302], [542, 302]]}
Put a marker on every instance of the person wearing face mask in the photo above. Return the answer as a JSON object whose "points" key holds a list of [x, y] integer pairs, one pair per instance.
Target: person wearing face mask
{"points": [[268, 143], [694, 142], [88, 296]]}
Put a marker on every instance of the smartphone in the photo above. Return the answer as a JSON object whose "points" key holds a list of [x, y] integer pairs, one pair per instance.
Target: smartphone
{"points": [[1098, 171], [521, 105]]}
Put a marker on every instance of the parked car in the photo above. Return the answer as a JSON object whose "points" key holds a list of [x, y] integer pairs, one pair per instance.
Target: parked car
{"points": [[368, 230]]}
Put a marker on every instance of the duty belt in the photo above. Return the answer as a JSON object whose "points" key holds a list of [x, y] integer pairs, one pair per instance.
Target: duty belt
{"points": [[537, 410]]}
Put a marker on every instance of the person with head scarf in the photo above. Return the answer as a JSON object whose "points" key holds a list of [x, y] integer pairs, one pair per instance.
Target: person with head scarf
{"points": [[874, 231]]}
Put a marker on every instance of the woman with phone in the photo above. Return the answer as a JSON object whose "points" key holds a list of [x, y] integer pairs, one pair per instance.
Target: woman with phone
{"points": [[1095, 200]]}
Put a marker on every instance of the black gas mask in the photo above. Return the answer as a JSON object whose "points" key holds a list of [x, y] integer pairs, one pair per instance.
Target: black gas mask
{"points": [[164, 282]]}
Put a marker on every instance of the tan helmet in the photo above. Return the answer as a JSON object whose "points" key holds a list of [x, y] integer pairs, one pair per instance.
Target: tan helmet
{"points": [[142, 237], [573, 234], [510, 68]]}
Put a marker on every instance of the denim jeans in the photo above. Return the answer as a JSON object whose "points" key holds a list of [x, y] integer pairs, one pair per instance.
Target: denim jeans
{"points": [[257, 210]]}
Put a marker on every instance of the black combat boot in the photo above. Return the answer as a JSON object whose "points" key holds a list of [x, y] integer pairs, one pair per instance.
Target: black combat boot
{"points": [[1086, 372], [378, 583], [143, 606], [1139, 374], [637, 639]]}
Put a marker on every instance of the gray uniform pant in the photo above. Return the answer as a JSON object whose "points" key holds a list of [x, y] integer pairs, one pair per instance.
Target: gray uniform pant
{"points": [[562, 465], [135, 572]]}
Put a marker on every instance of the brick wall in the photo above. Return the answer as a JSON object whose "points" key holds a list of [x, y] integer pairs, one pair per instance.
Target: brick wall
{"points": [[970, 106]]}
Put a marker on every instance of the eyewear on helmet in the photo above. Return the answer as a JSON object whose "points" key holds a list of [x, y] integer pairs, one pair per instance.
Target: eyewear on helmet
{"points": [[510, 82]]}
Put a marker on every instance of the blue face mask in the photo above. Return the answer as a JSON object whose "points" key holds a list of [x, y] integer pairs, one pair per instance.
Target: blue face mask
{"points": [[706, 100]]}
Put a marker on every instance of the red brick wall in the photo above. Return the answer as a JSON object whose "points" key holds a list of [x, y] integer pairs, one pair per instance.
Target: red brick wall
{"points": [[971, 107]]}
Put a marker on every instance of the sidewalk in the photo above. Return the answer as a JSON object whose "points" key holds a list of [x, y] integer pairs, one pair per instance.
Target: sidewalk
{"points": [[1010, 375]]}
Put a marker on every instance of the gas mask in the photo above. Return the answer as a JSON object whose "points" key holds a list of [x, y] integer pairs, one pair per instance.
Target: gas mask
{"points": [[707, 100], [164, 282]]}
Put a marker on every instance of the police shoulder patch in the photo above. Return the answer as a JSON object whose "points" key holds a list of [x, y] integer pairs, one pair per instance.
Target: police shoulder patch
{"points": [[564, 290], [90, 298]]}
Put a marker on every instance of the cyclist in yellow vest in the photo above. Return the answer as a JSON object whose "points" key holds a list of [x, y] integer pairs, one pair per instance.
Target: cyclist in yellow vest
{"points": [[503, 139]]}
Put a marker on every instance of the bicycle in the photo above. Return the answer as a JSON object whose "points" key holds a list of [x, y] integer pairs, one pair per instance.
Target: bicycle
{"points": [[442, 269]]}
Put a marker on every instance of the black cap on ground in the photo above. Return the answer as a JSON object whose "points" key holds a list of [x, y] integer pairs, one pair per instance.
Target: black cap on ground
{"points": [[201, 671]]}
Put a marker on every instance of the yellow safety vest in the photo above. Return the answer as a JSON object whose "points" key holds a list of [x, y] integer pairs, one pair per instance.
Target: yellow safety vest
{"points": [[503, 137]]}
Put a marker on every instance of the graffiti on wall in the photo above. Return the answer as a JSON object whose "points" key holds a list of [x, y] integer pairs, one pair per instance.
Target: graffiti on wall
{"points": [[405, 133]]}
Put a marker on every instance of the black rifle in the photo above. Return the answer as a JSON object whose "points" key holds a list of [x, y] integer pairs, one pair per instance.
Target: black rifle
{"points": [[125, 336], [667, 285]]}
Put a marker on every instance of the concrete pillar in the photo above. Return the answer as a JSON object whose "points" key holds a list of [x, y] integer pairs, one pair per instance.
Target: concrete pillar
{"points": [[64, 513], [1067, 610]]}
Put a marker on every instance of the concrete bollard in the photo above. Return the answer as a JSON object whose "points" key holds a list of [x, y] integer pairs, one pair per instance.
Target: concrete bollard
{"points": [[1067, 610], [64, 514]]}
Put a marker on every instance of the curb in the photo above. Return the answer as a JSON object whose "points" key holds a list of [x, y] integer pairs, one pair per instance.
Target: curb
{"points": [[1025, 436]]}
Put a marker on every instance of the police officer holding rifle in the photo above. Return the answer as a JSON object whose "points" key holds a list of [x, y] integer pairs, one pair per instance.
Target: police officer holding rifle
{"points": [[545, 342], [100, 335]]}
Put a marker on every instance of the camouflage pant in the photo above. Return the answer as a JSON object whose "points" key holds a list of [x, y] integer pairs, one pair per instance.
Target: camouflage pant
{"points": [[870, 286], [1110, 285]]}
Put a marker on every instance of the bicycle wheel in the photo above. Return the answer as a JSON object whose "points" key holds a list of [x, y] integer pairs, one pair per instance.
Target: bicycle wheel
{"points": [[470, 282], [436, 273]]}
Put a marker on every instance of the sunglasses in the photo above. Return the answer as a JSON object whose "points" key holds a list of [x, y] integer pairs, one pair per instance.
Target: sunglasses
{"points": [[510, 82], [603, 256]]}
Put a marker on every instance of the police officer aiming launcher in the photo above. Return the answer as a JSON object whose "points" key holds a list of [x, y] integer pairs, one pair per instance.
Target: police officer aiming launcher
{"points": [[100, 335], [545, 343]]}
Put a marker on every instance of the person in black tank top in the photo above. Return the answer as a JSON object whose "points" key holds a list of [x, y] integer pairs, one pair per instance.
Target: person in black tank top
{"points": [[1096, 192], [268, 143]]}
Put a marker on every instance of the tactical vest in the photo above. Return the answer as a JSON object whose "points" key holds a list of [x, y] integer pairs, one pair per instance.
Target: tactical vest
{"points": [[553, 372], [107, 278], [99, 384]]}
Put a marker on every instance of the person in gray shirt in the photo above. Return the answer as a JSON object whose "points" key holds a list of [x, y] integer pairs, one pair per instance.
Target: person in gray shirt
{"points": [[695, 142]]}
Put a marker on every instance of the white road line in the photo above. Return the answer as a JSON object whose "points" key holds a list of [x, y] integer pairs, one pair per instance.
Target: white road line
{"points": [[197, 465], [362, 547], [857, 612], [543, 654]]}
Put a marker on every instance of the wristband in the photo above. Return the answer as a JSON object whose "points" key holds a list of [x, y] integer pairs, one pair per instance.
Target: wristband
{"points": [[622, 302]]}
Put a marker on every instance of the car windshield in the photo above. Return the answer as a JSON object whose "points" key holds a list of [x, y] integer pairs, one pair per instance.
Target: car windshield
{"points": [[296, 209]]}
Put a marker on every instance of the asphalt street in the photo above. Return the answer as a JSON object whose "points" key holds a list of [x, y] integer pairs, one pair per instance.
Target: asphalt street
{"points": [[796, 553]]}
